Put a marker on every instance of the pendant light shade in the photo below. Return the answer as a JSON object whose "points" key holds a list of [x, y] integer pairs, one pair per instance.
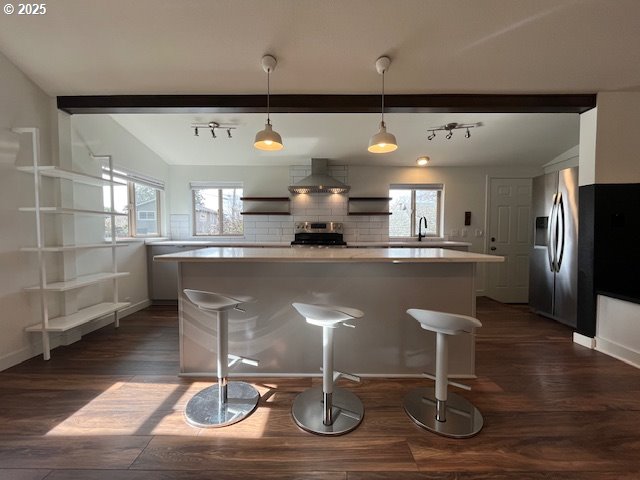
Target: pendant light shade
{"points": [[383, 141], [268, 139]]}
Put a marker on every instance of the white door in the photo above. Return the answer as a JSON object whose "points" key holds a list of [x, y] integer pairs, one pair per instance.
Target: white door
{"points": [[509, 236]]}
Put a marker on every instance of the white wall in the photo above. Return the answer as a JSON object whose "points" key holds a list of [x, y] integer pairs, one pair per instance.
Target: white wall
{"points": [[618, 333], [22, 104], [101, 135], [617, 140], [588, 131]]}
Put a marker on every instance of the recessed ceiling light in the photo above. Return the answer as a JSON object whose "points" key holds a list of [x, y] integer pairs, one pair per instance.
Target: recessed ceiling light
{"points": [[422, 161]]}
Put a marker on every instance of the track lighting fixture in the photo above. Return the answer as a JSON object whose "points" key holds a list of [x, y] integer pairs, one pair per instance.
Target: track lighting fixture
{"points": [[212, 126], [382, 142], [450, 127], [268, 139]]}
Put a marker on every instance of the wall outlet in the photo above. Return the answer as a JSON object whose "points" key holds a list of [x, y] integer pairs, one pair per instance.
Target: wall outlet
{"points": [[464, 232]]}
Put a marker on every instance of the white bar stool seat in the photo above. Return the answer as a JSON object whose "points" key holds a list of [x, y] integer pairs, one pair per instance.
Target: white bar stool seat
{"points": [[328, 410], [436, 409], [226, 402]]}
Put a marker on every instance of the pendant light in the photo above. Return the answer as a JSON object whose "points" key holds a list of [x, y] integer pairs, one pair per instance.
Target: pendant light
{"points": [[382, 142], [268, 139]]}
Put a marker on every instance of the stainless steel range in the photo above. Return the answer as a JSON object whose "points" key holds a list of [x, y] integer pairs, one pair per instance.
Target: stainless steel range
{"points": [[319, 234]]}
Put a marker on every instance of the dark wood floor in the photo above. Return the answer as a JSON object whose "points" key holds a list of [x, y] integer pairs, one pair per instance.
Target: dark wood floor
{"points": [[110, 407]]}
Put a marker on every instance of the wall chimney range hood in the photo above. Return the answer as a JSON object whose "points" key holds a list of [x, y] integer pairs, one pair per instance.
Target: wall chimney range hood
{"points": [[319, 181]]}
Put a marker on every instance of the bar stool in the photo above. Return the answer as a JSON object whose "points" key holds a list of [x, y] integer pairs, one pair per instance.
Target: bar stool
{"points": [[226, 402], [328, 410], [436, 409]]}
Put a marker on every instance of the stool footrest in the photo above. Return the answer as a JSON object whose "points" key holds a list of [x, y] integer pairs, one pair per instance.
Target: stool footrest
{"points": [[235, 359], [449, 382], [348, 376]]}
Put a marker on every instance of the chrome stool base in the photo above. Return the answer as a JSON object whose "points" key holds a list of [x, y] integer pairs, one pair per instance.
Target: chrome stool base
{"points": [[204, 410], [463, 420], [308, 407]]}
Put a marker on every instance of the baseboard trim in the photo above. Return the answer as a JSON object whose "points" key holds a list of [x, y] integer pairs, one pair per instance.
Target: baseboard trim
{"points": [[584, 341], [35, 347], [620, 352]]}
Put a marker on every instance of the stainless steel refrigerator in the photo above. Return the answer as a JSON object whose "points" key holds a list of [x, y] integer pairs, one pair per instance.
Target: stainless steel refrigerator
{"points": [[553, 272]]}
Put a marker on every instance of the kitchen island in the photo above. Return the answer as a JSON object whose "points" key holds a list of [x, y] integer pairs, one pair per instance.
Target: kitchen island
{"points": [[382, 282]]}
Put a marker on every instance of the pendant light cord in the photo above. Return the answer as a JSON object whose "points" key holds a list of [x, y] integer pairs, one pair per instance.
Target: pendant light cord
{"points": [[383, 98], [268, 94]]}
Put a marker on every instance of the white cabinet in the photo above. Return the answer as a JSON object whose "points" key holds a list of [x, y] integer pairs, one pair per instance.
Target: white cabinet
{"points": [[47, 288]]}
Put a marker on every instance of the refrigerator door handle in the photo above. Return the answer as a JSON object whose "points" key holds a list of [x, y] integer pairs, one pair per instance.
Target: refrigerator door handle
{"points": [[550, 236], [561, 233]]}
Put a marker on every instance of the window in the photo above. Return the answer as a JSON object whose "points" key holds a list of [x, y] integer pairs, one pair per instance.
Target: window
{"points": [[146, 215], [139, 198], [216, 209], [411, 202], [146, 201]]}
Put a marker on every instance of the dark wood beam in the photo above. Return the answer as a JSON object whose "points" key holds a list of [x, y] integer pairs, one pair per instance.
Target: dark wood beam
{"points": [[327, 103]]}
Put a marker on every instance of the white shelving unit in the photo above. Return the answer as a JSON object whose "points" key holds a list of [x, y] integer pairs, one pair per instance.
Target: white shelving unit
{"points": [[64, 323]]}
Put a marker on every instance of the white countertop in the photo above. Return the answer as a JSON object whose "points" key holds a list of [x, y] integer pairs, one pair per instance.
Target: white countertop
{"points": [[209, 243], [328, 255], [241, 243], [412, 244]]}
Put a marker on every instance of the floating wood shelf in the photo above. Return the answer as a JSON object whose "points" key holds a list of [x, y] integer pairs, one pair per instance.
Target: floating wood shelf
{"points": [[284, 200], [265, 213], [370, 213], [369, 199], [265, 199]]}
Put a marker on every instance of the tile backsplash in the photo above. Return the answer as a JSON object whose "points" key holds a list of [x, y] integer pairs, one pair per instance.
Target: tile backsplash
{"points": [[317, 207]]}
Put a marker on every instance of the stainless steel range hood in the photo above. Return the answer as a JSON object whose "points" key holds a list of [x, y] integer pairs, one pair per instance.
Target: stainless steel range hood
{"points": [[319, 181]]}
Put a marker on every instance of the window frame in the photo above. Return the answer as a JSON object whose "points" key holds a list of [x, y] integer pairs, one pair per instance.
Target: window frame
{"points": [[439, 188], [132, 212], [213, 186]]}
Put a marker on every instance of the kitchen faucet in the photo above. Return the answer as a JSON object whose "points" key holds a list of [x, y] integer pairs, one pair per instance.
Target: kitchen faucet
{"points": [[420, 234]]}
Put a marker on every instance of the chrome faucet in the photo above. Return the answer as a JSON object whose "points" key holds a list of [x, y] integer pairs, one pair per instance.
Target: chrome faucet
{"points": [[420, 234]]}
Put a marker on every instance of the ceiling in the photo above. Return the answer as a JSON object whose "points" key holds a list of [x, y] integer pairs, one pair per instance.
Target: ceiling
{"points": [[437, 46], [504, 140]]}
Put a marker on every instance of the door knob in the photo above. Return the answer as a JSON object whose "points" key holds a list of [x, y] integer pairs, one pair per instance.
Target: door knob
{"points": [[493, 248]]}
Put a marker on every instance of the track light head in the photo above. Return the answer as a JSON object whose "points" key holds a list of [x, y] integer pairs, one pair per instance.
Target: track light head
{"points": [[450, 127], [213, 132], [229, 133], [195, 133]]}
